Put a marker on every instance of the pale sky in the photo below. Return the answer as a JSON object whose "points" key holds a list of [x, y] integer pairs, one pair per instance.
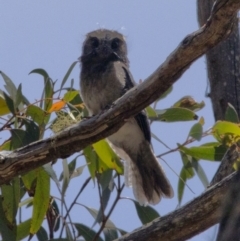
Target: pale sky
{"points": [[49, 34]]}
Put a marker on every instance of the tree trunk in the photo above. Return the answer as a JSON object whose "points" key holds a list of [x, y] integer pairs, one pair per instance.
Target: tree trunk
{"points": [[224, 79], [223, 66]]}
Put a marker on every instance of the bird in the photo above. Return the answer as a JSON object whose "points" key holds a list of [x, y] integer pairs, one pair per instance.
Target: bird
{"points": [[105, 77]]}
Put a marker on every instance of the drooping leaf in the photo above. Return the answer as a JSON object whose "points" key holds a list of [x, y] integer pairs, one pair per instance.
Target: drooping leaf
{"points": [[40, 200], [9, 86], [151, 113], [70, 95], [36, 113], [175, 114], [7, 232], [65, 176], [51, 172], [6, 145], [68, 233], [42, 234], [181, 184], [23, 229], [200, 172], [146, 214], [11, 198], [19, 97], [196, 131], [108, 156], [87, 233], [10, 103], [94, 163], [206, 152], [48, 91], [65, 78], [110, 234], [18, 138], [29, 181], [32, 131], [231, 114], [187, 165], [3, 105]]}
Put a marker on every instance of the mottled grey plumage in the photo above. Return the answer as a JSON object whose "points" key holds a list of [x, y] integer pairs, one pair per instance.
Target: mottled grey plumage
{"points": [[104, 78]]}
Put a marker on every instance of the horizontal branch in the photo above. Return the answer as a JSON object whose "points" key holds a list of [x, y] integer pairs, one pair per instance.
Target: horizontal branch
{"points": [[98, 127], [187, 221]]}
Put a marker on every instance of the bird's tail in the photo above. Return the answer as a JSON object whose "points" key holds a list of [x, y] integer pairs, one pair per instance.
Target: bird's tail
{"points": [[146, 176]]}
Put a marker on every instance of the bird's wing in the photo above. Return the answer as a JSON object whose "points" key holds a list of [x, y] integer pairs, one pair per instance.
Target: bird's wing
{"points": [[141, 117]]}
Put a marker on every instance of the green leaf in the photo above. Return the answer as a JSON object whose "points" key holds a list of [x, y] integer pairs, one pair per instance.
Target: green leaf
{"points": [[181, 184], [187, 165], [65, 176], [151, 113], [68, 233], [196, 131], [7, 232], [6, 145], [19, 97], [68, 73], [223, 129], [18, 138], [3, 105], [108, 156], [32, 131], [231, 114], [23, 229], [71, 167], [200, 172], [57, 214], [42, 234], [10, 86], [70, 95], [48, 90], [36, 113], [9, 103], [175, 114], [21, 138], [29, 181], [87, 233], [189, 103], [110, 234], [205, 152], [40, 200], [11, 198], [50, 171], [146, 214], [94, 163]]}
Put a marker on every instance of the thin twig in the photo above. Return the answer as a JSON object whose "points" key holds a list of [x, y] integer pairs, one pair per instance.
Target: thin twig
{"points": [[74, 201], [105, 219]]}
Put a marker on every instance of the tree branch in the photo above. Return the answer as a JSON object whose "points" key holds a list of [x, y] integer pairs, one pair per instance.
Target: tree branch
{"points": [[89, 131], [187, 221]]}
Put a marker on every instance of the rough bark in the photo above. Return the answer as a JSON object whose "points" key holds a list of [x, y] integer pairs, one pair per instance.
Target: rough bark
{"points": [[223, 66], [229, 226]]}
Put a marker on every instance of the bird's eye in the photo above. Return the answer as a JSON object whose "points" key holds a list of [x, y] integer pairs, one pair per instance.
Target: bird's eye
{"points": [[94, 42], [115, 43]]}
